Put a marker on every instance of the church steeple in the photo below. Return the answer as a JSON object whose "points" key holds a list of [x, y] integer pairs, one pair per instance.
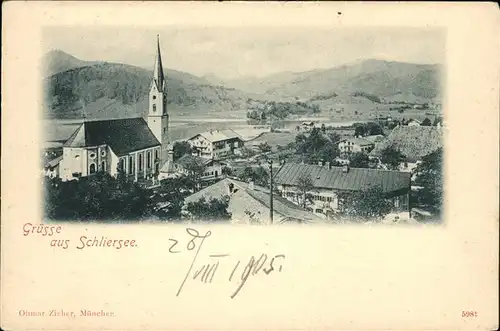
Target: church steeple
{"points": [[157, 114], [158, 76]]}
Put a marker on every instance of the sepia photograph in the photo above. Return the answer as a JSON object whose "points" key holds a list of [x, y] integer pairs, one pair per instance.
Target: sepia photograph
{"points": [[239, 125]]}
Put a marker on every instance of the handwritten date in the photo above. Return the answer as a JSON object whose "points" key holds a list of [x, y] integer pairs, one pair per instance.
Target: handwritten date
{"points": [[205, 273]]}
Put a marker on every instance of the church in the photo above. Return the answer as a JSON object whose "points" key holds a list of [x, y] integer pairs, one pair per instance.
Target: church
{"points": [[138, 146]]}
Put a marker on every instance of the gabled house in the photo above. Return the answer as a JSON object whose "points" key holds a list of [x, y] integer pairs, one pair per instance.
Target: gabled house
{"points": [[215, 144], [328, 182], [414, 142], [414, 122], [250, 204], [212, 169], [348, 146]]}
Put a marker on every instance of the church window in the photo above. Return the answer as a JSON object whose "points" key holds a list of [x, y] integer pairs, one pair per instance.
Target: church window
{"points": [[103, 166], [130, 168], [140, 162], [92, 155], [156, 155], [92, 168], [154, 107], [122, 164], [103, 153], [77, 156], [149, 160], [154, 97]]}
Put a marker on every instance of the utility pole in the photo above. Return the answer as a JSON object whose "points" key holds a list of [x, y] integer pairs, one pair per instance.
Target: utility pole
{"points": [[271, 181]]}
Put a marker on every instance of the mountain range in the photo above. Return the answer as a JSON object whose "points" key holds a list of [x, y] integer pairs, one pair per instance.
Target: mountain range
{"points": [[74, 88]]}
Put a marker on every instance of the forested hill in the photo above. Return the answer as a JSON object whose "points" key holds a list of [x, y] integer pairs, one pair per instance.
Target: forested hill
{"points": [[374, 79], [119, 90]]}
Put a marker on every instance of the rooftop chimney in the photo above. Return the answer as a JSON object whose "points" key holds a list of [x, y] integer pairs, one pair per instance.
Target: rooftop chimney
{"points": [[230, 188], [320, 163], [345, 169], [251, 185], [328, 165]]}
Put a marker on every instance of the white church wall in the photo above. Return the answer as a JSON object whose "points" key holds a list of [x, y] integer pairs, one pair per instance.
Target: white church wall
{"points": [[113, 163], [74, 161]]}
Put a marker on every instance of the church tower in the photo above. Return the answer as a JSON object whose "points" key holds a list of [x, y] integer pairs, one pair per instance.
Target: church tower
{"points": [[157, 115]]}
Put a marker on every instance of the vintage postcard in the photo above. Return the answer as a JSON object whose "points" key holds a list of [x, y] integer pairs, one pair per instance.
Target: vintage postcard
{"points": [[249, 166]]}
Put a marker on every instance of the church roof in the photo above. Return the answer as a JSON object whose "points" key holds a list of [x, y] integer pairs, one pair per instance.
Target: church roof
{"points": [[122, 135], [158, 75]]}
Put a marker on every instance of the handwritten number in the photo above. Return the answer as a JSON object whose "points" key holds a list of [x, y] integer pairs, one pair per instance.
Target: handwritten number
{"points": [[195, 234], [271, 266], [244, 276], [191, 231], [232, 273], [173, 245], [262, 259]]}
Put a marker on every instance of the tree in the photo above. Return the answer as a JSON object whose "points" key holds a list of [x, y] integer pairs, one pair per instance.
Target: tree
{"points": [[181, 148], [99, 197], [334, 137], [316, 146], [429, 175], [437, 121], [359, 160], [392, 157], [359, 130], [304, 185], [212, 210], [264, 147], [169, 197], [195, 168], [259, 175], [227, 171], [372, 128], [426, 122], [369, 204]]}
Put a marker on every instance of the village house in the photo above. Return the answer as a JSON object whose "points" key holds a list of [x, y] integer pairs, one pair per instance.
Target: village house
{"points": [[250, 204], [137, 146], [414, 142], [307, 126], [351, 145], [212, 169], [215, 144], [414, 122], [51, 167], [328, 182]]}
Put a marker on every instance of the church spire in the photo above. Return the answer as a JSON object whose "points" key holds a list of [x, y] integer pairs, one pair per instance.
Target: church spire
{"points": [[158, 70]]}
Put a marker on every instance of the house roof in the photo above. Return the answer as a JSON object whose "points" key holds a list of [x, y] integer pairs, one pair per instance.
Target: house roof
{"points": [[335, 178], [218, 135], [244, 197], [414, 142], [375, 138], [415, 120], [121, 135], [187, 158], [52, 163], [358, 141]]}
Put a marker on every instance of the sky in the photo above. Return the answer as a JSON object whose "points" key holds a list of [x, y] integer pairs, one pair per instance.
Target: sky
{"points": [[231, 53]]}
